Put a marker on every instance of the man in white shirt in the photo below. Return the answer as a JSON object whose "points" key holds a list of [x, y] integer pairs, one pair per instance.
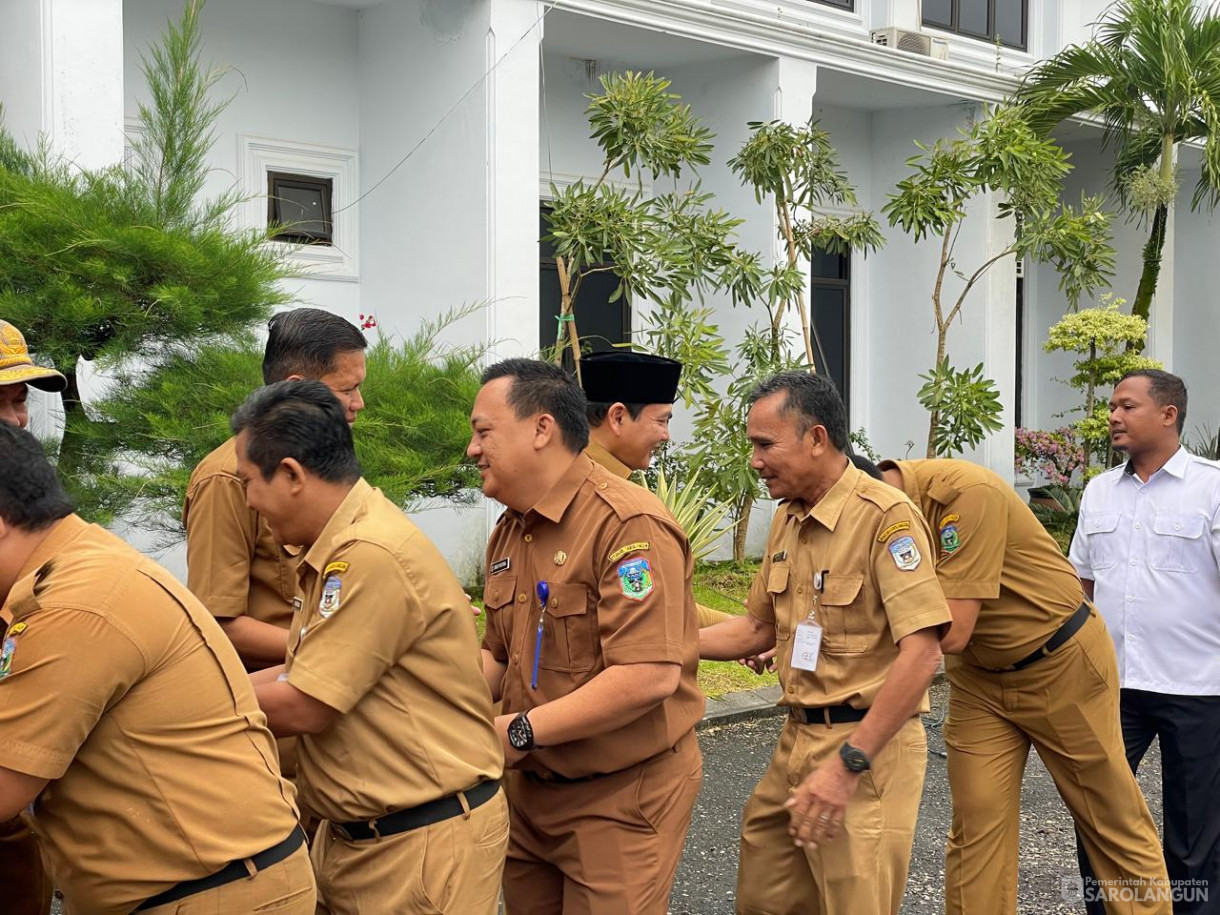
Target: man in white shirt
{"points": [[1148, 552]]}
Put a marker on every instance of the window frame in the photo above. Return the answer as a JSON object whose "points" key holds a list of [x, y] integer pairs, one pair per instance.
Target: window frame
{"points": [[848, 6], [840, 283], [954, 26], [279, 180]]}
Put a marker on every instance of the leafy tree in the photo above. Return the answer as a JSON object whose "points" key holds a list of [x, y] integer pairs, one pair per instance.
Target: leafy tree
{"points": [[155, 426], [1108, 342], [669, 247], [122, 262], [798, 169], [1152, 75], [999, 154]]}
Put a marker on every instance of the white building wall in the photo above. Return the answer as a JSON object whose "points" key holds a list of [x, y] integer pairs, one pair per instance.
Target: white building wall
{"points": [[1197, 310]]}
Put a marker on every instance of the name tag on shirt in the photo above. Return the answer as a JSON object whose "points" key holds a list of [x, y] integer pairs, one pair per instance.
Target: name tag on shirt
{"points": [[806, 643]]}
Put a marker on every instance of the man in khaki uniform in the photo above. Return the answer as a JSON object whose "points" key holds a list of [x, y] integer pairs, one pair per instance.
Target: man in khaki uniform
{"points": [[128, 728], [234, 564], [27, 891], [847, 592], [591, 646], [1030, 662], [631, 397], [397, 754]]}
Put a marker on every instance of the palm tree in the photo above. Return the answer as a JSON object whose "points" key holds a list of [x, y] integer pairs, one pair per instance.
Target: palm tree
{"points": [[1151, 73]]}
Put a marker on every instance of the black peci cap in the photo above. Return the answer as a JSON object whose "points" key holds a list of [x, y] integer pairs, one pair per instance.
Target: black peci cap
{"points": [[627, 377]]}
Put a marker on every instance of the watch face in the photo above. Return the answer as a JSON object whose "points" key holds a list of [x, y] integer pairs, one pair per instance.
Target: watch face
{"points": [[520, 734], [854, 759]]}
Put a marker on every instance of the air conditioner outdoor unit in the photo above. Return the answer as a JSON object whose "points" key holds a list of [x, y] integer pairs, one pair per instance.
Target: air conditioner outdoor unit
{"points": [[912, 42]]}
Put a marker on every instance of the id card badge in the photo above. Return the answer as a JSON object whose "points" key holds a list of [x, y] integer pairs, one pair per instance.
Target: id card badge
{"points": [[806, 642]]}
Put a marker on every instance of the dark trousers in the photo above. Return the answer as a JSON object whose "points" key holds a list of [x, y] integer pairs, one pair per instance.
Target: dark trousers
{"points": [[1188, 728]]}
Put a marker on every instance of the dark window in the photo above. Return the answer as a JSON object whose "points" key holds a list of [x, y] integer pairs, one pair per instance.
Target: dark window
{"points": [[600, 322], [849, 5], [830, 300], [301, 205], [983, 19]]}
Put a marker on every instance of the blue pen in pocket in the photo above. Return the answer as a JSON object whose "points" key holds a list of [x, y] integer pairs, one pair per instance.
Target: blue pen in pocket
{"points": [[544, 594]]}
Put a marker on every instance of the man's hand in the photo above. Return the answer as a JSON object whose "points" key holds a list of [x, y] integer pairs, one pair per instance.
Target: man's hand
{"points": [[473, 609], [512, 755], [819, 803], [761, 663]]}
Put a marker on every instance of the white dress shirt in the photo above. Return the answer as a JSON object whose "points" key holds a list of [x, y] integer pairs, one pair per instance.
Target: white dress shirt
{"points": [[1153, 552]]}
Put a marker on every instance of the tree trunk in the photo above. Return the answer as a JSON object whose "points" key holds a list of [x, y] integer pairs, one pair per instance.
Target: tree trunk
{"points": [[942, 332], [1153, 248], [742, 527]]}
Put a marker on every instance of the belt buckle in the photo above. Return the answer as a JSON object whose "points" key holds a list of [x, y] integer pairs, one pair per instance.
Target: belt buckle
{"points": [[342, 831]]}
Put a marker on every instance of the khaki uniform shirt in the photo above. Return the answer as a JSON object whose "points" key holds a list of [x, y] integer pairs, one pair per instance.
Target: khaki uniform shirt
{"points": [[234, 564], [603, 457], [992, 547], [619, 572], [385, 636], [119, 687], [871, 549]]}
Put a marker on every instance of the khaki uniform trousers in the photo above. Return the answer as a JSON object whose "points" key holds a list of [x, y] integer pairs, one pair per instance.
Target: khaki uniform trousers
{"points": [[450, 867], [863, 870], [606, 846], [1066, 706], [25, 887], [286, 888]]}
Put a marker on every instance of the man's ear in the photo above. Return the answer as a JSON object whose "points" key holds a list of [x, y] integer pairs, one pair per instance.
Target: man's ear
{"points": [[545, 429], [617, 415], [296, 376], [292, 469], [1171, 414], [818, 439]]}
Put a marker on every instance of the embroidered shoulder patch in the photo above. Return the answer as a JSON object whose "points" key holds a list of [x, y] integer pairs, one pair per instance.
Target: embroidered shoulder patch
{"points": [[892, 530], [949, 519], [331, 593], [629, 548], [635, 579], [336, 567], [949, 540], [8, 647], [905, 553]]}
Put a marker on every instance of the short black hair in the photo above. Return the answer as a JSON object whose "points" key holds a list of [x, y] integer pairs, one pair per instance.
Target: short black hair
{"points": [[596, 411], [1166, 389], [305, 341], [814, 399], [302, 420], [867, 466], [540, 387], [31, 496]]}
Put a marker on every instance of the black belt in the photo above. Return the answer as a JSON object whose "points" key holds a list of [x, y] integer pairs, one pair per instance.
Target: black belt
{"points": [[827, 714], [1065, 632], [445, 808], [234, 870]]}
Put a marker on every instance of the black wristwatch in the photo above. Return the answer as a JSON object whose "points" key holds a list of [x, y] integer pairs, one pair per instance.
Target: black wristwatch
{"points": [[854, 759], [521, 734]]}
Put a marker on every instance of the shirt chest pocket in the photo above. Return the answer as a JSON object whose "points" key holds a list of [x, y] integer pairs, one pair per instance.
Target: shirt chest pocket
{"points": [[843, 616], [781, 599], [1105, 551], [498, 595], [569, 630], [1179, 544]]}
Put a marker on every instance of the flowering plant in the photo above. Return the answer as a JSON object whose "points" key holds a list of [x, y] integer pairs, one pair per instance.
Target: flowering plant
{"points": [[367, 322], [1052, 456]]}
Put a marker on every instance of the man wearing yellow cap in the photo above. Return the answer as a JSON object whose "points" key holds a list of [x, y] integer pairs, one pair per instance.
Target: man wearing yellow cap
{"points": [[631, 397], [27, 891]]}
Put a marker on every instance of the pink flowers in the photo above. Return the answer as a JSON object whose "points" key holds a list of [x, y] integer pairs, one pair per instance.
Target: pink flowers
{"points": [[367, 322], [1053, 456]]}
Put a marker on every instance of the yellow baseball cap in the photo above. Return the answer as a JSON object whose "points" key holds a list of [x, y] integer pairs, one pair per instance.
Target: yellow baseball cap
{"points": [[16, 365]]}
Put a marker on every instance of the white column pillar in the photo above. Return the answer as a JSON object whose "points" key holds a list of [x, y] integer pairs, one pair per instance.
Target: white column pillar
{"points": [[999, 306], [61, 74], [513, 175]]}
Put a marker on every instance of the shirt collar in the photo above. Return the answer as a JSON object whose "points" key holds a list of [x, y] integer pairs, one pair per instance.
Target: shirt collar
{"points": [[602, 456], [556, 501], [829, 508], [1175, 466], [344, 515], [63, 532]]}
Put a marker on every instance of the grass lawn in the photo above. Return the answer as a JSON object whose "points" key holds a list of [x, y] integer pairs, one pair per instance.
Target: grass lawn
{"points": [[721, 586]]}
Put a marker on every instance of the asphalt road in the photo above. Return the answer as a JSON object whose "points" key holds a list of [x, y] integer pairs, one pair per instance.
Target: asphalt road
{"points": [[735, 756]]}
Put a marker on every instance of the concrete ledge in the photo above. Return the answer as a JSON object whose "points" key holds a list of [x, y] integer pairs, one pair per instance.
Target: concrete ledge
{"points": [[737, 706]]}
